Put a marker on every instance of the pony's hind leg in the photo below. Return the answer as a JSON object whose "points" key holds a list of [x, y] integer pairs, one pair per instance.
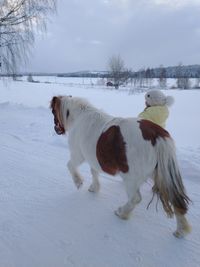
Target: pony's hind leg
{"points": [[183, 227], [125, 211], [134, 197], [95, 186], [72, 165]]}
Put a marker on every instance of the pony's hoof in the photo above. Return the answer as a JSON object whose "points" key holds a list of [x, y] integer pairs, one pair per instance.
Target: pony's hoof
{"points": [[79, 184], [121, 215], [178, 234], [182, 232], [94, 188]]}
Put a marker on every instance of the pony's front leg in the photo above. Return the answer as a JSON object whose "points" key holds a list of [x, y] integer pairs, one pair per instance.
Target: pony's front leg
{"points": [[72, 165], [95, 186]]}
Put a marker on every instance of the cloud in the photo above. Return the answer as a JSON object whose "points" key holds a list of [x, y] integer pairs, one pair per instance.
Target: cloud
{"points": [[176, 3], [167, 3], [91, 42], [86, 33]]}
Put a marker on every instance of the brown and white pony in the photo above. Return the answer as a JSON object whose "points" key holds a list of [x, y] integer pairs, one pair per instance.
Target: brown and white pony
{"points": [[133, 148]]}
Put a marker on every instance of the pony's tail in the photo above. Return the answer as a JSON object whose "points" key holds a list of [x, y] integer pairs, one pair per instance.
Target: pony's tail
{"points": [[168, 184]]}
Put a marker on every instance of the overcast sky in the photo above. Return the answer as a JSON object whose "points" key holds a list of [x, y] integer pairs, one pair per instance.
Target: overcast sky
{"points": [[84, 34]]}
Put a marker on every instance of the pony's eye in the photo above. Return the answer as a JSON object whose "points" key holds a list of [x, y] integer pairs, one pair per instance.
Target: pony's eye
{"points": [[148, 95]]}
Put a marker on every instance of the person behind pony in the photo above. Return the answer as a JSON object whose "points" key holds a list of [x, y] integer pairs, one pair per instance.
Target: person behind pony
{"points": [[156, 109]]}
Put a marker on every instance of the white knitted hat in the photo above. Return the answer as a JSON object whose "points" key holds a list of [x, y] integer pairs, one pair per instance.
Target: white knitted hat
{"points": [[157, 98]]}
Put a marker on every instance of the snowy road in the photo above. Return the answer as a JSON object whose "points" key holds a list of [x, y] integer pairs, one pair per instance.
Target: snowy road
{"points": [[46, 222]]}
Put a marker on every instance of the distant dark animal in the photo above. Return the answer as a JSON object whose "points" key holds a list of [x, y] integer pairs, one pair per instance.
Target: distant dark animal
{"points": [[109, 84]]}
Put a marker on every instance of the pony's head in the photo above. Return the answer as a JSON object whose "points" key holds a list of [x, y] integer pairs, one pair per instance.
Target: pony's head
{"points": [[56, 110], [65, 110]]}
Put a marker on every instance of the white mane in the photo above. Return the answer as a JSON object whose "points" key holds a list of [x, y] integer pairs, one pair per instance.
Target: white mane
{"points": [[77, 106], [78, 102]]}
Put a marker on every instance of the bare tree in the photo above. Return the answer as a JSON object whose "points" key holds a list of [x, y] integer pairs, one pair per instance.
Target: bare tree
{"points": [[141, 77], [19, 20], [162, 80], [117, 70], [197, 83], [148, 77], [183, 81]]}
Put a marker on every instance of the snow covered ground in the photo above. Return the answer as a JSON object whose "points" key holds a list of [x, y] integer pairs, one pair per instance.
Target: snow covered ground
{"points": [[46, 222]]}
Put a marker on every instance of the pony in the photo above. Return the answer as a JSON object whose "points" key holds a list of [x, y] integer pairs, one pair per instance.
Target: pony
{"points": [[134, 148]]}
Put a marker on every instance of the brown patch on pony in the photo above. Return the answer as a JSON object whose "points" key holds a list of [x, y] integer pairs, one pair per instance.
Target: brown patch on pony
{"points": [[55, 106], [152, 131], [111, 151]]}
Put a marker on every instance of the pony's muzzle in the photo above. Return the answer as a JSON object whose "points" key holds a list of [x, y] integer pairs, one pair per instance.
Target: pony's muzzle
{"points": [[59, 129]]}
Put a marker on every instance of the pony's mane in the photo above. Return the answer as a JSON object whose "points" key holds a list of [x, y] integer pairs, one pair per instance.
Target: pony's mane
{"points": [[83, 105], [78, 102]]}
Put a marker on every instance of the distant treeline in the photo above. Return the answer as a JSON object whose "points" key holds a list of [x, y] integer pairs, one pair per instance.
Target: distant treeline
{"points": [[180, 71]]}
